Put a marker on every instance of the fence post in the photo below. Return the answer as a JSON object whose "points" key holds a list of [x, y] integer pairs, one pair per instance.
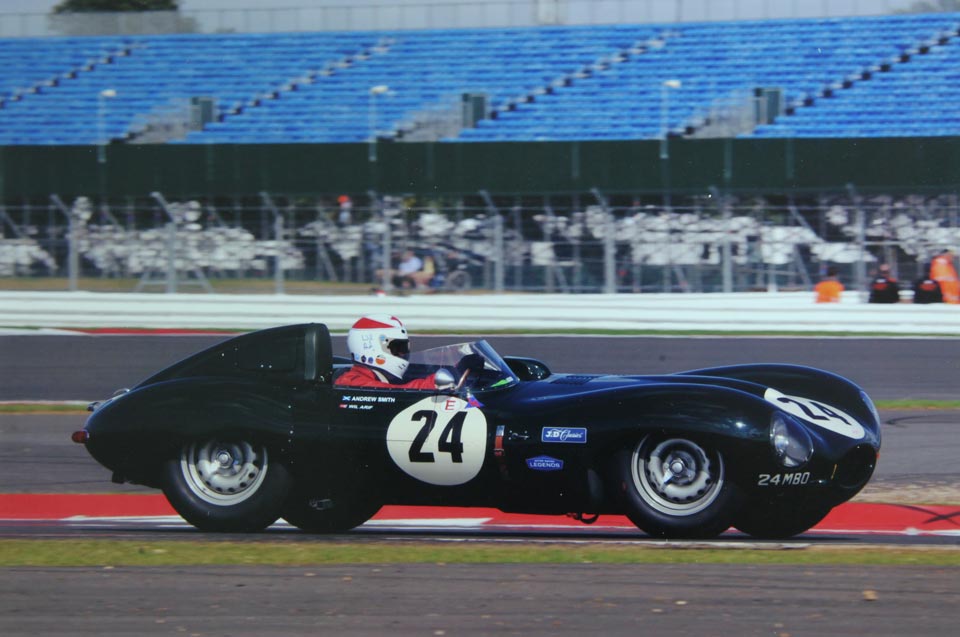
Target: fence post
{"points": [[609, 245], [278, 287], [73, 255], [497, 255], [170, 240], [726, 256], [386, 283], [860, 267]]}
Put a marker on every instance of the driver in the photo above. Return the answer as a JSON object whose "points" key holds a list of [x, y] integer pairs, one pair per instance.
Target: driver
{"points": [[380, 349]]}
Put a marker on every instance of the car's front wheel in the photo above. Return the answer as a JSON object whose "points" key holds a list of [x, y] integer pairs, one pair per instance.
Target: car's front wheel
{"points": [[673, 486], [226, 485]]}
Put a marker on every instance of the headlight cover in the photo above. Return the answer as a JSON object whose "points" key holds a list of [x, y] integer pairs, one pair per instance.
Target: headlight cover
{"points": [[790, 441], [869, 403]]}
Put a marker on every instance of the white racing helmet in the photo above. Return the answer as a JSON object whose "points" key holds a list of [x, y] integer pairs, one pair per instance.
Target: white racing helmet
{"points": [[380, 341]]}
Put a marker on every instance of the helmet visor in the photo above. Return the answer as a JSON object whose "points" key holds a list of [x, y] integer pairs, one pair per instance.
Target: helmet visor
{"points": [[399, 347]]}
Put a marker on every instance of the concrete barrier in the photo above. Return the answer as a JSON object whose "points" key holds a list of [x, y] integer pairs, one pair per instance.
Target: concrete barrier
{"points": [[792, 312]]}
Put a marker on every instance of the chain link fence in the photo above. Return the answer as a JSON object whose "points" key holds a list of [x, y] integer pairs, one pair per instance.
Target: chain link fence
{"points": [[586, 242]]}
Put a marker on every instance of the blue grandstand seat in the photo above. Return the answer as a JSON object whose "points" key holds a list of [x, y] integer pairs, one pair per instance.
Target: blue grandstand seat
{"points": [[587, 82]]}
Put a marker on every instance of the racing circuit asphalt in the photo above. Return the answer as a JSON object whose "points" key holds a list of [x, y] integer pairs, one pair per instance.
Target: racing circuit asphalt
{"points": [[681, 599]]}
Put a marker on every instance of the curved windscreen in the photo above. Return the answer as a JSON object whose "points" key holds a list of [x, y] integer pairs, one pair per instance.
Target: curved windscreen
{"points": [[495, 372]]}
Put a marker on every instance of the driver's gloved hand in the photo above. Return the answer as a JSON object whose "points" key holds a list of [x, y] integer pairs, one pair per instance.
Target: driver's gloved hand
{"points": [[473, 362]]}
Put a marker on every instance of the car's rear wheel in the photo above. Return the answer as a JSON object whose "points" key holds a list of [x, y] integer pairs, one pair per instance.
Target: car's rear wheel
{"points": [[226, 485], [673, 486], [778, 520], [328, 512]]}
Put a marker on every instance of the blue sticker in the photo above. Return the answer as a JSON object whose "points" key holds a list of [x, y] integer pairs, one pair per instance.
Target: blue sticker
{"points": [[544, 463], [577, 435]]}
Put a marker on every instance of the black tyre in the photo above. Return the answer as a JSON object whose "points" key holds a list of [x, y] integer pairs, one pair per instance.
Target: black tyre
{"points": [[230, 486], [328, 512], [675, 487], [778, 520]]}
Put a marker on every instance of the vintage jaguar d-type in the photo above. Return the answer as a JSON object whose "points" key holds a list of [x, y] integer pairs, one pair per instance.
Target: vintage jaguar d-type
{"points": [[255, 429]]}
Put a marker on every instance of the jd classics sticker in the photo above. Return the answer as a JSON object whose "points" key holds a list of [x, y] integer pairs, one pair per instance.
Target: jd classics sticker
{"points": [[439, 440], [576, 435]]}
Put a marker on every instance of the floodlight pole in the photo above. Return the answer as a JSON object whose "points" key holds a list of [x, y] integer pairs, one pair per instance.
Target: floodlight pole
{"points": [[665, 89], [379, 89], [102, 97]]}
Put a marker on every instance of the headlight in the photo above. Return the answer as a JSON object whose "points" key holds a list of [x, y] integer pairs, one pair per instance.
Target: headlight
{"points": [[791, 442]]}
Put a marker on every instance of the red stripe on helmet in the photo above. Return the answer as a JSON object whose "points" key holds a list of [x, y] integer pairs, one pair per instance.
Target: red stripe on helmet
{"points": [[366, 323]]}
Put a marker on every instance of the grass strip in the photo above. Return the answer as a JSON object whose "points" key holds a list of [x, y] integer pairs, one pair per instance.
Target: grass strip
{"points": [[42, 408], [110, 552]]}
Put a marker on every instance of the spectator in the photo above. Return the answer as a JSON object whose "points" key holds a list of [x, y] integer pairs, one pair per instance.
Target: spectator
{"points": [[409, 265], [402, 275], [943, 272], [829, 289], [884, 288], [926, 291], [424, 276]]}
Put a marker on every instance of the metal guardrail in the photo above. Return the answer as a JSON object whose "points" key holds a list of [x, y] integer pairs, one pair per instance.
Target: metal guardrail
{"points": [[791, 312]]}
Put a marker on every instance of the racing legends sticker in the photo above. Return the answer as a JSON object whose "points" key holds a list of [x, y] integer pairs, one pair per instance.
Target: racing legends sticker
{"points": [[544, 463], [439, 440]]}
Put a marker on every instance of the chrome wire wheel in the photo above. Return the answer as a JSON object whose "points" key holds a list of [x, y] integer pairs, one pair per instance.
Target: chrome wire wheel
{"points": [[676, 477], [223, 473]]}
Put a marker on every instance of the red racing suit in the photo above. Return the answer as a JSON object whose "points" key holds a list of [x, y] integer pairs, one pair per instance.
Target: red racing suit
{"points": [[361, 376]]}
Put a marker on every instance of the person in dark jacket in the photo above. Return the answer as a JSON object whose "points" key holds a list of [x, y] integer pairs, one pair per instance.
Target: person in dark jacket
{"points": [[884, 288]]}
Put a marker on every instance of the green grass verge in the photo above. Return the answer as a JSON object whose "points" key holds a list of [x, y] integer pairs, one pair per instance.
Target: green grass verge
{"points": [[42, 408], [110, 552]]}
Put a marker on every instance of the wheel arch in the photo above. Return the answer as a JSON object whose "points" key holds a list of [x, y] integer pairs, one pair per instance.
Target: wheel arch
{"points": [[136, 433]]}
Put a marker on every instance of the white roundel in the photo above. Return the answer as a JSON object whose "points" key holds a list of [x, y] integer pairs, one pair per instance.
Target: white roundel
{"points": [[817, 413], [439, 440]]}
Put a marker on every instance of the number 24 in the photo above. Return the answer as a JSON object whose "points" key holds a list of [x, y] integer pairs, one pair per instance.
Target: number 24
{"points": [[449, 438]]}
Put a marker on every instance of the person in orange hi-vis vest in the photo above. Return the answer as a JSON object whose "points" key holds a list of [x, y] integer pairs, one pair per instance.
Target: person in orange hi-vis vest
{"points": [[829, 289], [943, 272]]}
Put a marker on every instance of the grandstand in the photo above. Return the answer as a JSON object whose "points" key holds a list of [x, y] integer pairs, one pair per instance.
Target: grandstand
{"points": [[531, 158], [875, 76]]}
